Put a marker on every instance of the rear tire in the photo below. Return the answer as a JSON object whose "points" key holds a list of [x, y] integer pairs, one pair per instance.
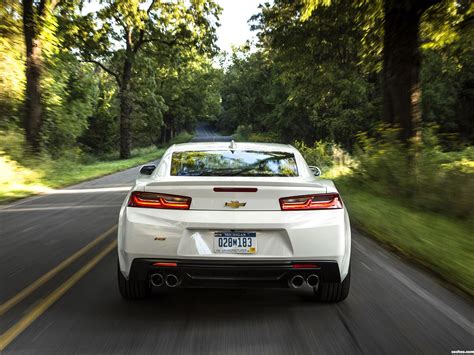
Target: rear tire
{"points": [[333, 291], [131, 289]]}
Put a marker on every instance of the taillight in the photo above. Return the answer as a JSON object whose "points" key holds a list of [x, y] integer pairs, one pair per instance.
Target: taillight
{"points": [[311, 202], [157, 200]]}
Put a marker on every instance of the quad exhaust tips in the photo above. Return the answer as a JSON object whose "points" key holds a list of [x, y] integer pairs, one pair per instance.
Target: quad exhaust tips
{"points": [[312, 280], [298, 281], [156, 280], [171, 280]]}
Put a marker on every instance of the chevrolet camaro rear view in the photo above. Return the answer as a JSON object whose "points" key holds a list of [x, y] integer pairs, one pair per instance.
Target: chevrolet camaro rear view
{"points": [[234, 215]]}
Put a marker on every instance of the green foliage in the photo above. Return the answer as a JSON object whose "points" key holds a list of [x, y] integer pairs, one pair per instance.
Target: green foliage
{"points": [[191, 90], [443, 244], [70, 92], [40, 174], [24, 175], [333, 161], [422, 175], [183, 137], [12, 77], [320, 154], [172, 82], [246, 90], [448, 93], [101, 134], [310, 90], [446, 24], [245, 133], [12, 143], [316, 74], [138, 43]]}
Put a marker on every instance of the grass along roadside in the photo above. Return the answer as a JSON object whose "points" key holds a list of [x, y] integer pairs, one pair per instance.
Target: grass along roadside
{"points": [[443, 244], [40, 175], [18, 181]]}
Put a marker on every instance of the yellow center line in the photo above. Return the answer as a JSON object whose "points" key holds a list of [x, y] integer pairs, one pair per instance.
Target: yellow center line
{"points": [[10, 335], [5, 307]]}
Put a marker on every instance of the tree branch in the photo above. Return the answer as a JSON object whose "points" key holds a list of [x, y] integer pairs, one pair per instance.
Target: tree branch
{"points": [[141, 35], [107, 70], [139, 41], [51, 6], [169, 43], [150, 7], [142, 41], [120, 22]]}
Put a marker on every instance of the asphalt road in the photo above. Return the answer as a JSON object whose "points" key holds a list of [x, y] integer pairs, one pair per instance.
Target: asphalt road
{"points": [[72, 304]]}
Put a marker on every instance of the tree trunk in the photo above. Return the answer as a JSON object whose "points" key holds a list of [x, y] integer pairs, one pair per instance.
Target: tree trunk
{"points": [[163, 134], [125, 107], [33, 118], [402, 63]]}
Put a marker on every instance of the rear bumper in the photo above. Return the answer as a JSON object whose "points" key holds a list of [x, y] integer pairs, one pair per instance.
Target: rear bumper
{"points": [[209, 273], [189, 235]]}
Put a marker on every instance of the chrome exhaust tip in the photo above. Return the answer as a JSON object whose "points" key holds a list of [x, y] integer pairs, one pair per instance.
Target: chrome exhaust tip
{"points": [[156, 280], [297, 281], [312, 280], [171, 280]]}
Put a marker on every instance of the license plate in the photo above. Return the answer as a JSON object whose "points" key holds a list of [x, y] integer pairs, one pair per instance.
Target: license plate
{"points": [[235, 242]]}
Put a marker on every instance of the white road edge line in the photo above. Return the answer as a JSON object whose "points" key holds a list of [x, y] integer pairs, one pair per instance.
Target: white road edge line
{"points": [[448, 311], [30, 209]]}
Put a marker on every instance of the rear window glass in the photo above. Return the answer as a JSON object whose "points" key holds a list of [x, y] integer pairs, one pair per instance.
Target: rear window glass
{"points": [[233, 163]]}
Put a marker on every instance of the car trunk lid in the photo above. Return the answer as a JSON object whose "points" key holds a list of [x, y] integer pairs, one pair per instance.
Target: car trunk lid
{"points": [[235, 193]]}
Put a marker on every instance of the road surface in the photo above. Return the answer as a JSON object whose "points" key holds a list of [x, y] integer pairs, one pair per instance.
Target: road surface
{"points": [[59, 295]]}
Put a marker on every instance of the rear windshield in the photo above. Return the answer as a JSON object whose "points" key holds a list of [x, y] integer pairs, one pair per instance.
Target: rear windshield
{"points": [[233, 163]]}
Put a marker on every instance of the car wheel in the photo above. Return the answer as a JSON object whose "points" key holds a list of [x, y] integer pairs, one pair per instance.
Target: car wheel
{"points": [[333, 291], [131, 289]]}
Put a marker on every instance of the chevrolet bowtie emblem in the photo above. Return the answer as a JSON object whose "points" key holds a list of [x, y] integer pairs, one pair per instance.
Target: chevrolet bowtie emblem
{"points": [[235, 204]]}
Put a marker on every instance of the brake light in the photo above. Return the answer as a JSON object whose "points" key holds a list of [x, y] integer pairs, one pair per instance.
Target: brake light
{"points": [[311, 202], [157, 200], [235, 189]]}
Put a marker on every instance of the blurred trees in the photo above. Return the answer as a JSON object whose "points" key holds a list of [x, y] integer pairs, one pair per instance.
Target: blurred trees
{"points": [[402, 63], [12, 75], [36, 20], [110, 75], [308, 80], [104, 75], [318, 74], [114, 36]]}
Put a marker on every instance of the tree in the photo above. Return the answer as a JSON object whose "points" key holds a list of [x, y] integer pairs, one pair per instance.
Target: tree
{"points": [[115, 35], [190, 89], [402, 64], [401, 60], [306, 82], [35, 17], [12, 72]]}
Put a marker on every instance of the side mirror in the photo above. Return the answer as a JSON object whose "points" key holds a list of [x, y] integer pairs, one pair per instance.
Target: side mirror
{"points": [[147, 169], [315, 170]]}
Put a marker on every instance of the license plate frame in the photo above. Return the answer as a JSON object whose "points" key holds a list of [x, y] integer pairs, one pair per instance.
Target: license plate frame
{"points": [[243, 242]]}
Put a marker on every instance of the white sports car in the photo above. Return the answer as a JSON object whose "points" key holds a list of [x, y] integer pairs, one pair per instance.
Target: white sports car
{"points": [[233, 215]]}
